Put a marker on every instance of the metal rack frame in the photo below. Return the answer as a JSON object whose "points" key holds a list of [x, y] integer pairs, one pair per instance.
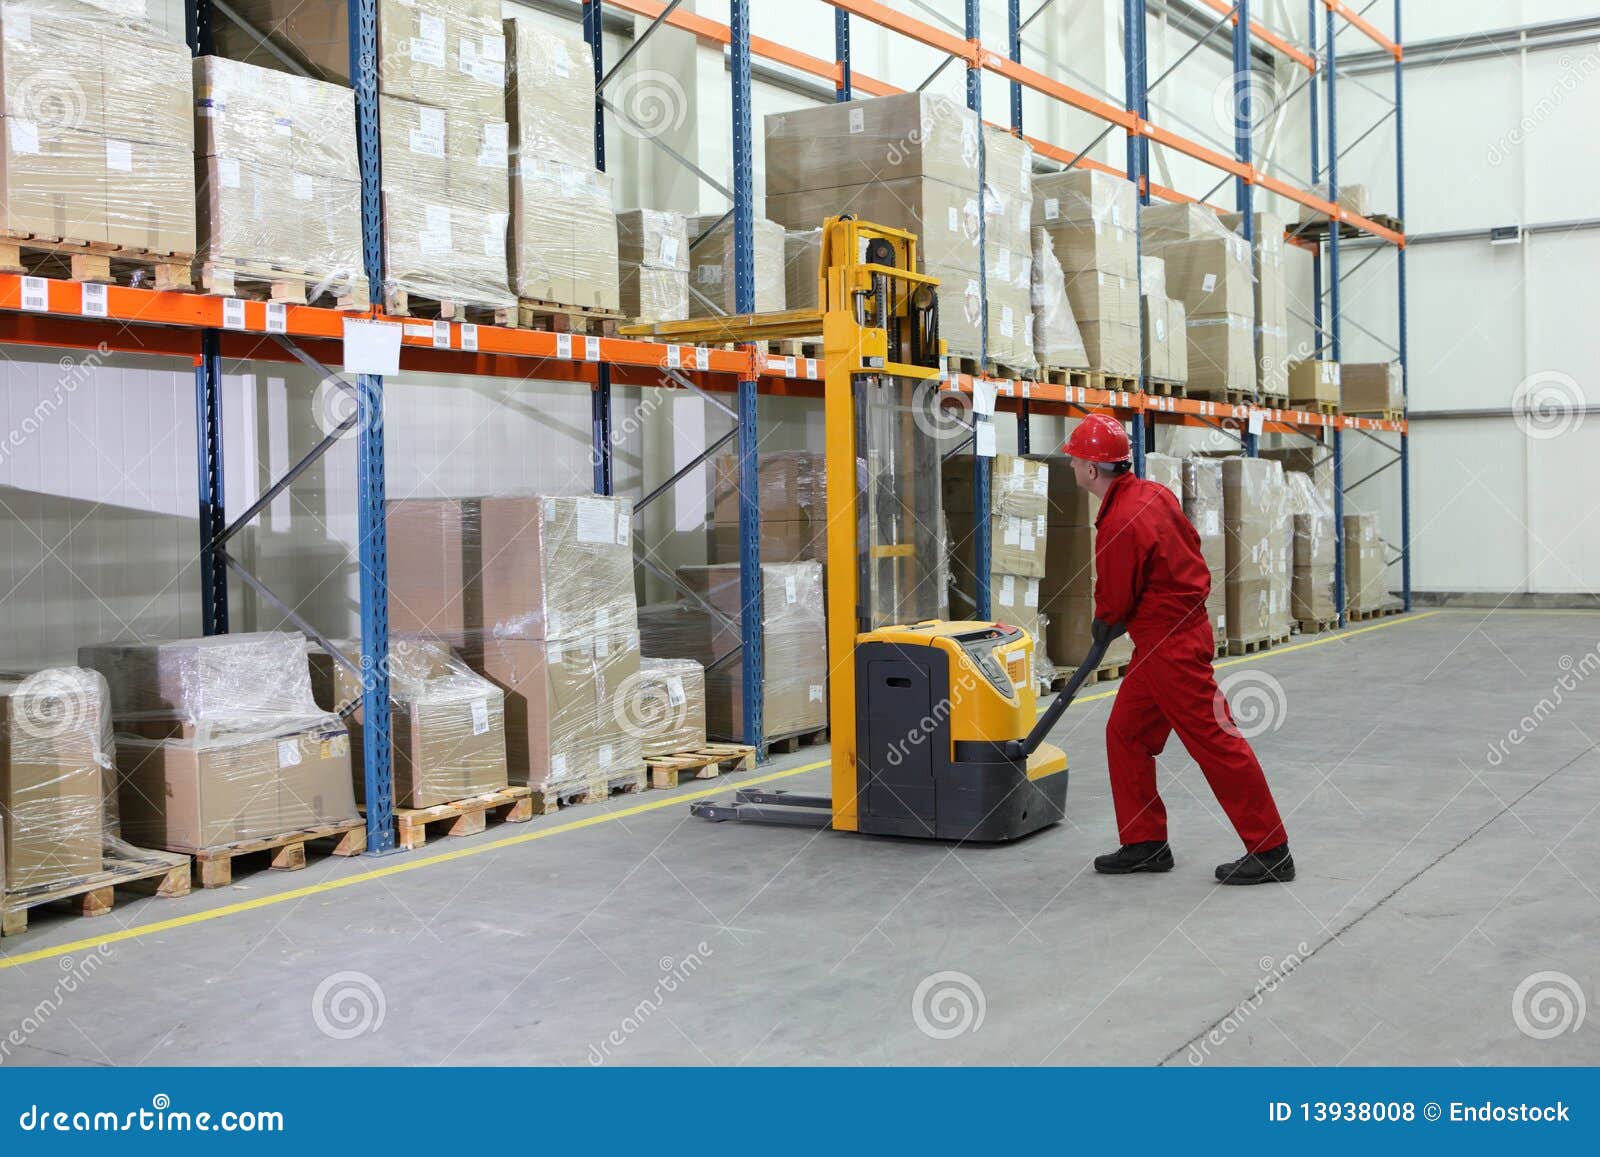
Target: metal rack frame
{"points": [[208, 330]]}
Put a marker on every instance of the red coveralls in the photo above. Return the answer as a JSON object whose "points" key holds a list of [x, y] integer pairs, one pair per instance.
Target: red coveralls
{"points": [[1152, 577]]}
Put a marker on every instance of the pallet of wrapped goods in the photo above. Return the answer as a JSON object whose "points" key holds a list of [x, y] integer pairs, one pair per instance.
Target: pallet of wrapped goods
{"points": [[653, 265], [1312, 555], [1366, 568], [279, 190], [1008, 252], [1202, 506], [1254, 504], [802, 259], [1091, 219], [790, 486], [223, 752], [1376, 388], [712, 288], [61, 839], [1207, 267], [668, 707], [97, 161], [1271, 303], [1057, 342]]}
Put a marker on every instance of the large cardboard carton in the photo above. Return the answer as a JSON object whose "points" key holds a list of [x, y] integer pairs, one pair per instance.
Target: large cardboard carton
{"points": [[712, 288], [1254, 525], [791, 486], [550, 93], [943, 215], [1366, 583], [1314, 383], [52, 784], [670, 706], [53, 182], [1017, 486], [1220, 353], [564, 234], [860, 142], [1203, 507], [1210, 275], [653, 264], [1372, 387]]}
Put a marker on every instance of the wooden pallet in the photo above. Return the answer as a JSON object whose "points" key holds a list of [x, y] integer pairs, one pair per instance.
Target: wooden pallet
{"points": [[1312, 406], [1248, 646], [1385, 415], [977, 367], [1367, 613], [288, 851], [794, 741], [1103, 381], [547, 316], [1109, 671], [1318, 231], [706, 762], [93, 262], [1275, 401], [264, 282], [1226, 397], [1317, 626], [795, 347], [1165, 388], [462, 817], [1050, 375], [399, 302], [548, 801], [135, 869]]}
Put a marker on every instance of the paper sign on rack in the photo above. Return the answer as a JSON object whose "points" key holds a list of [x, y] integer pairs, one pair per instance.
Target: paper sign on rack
{"points": [[1257, 422], [983, 438], [983, 392], [371, 347]]}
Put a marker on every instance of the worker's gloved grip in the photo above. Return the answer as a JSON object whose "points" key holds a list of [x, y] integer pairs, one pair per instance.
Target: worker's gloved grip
{"points": [[1103, 632]]}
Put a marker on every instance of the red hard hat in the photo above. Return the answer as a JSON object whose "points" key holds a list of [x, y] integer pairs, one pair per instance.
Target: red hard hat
{"points": [[1100, 438]]}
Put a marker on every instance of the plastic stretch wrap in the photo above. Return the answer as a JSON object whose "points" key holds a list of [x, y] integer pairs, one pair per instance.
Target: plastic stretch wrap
{"points": [[446, 203], [1160, 338], [1352, 199], [671, 705], [1366, 582], [1091, 219], [712, 287], [1313, 552], [446, 53], [222, 679], [98, 121], [1008, 247], [861, 142], [564, 234], [791, 487], [447, 723], [1057, 343], [653, 264], [1255, 521], [550, 93], [802, 259], [1203, 507], [277, 171], [1162, 223], [1152, 276], [1271, 301], [514, 567], [1372, 387], [794, 630], [57, 812], [1167, 470]]}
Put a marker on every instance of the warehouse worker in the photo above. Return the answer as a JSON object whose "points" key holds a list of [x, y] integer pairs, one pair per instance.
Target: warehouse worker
{"points": [[1151, 578]]}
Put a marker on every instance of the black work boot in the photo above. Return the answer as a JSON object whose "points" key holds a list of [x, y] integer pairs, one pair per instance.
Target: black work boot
{"points": [[1149, 856], [1271, 866]]}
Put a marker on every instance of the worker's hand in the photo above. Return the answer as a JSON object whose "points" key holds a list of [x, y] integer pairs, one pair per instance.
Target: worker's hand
{"points": [[1103, 632]]}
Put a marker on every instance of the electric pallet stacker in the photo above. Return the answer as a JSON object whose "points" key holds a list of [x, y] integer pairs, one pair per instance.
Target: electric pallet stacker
{"points": [[932, 722]]}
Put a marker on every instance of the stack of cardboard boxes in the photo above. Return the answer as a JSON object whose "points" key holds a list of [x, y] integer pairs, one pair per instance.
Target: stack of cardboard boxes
{"points": [[563, 230], [98, 126], [1271, 304], [442, 112], [792, 496], [1314, 384], [1255, 520], [1315, 544], [1366, 584], [1352, 199], [1372, 388], [220, 740], [1208, 269], [1202, 506], [910, 161], [668, 705], [653, 264], [1018, 539], [1057, 342], [536, 594], [1091, 219], [1163, 322], [447, 724], [278, 176], [1008, 247], [55, 746], [712, 288]]}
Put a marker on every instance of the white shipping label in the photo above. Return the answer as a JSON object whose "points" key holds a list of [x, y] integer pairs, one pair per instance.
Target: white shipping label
{"points": [[1027, 329], [35, 294], [427, 52], [814, 693], [494, 241], [675, 693], [669, 252], [288, 753], [1209, 283], [1007, 322], [554, 653], [1018, 467], [1052, 208], [1027, 539], [496, 150], [560, 61], [480, 716], [1161, 329], [494, 48], [1011, 534], [1116, 216], [604, 755], [983, 394], [441, 335], [304, 187], [858, 120], [94, 300], [277, 317], [228, 172], [119, 156], [624, 528], [435, 237], [19, 27], [1211, 526], [594, 521], [983, 439], [1008, 590], [426, 145], [591, 349], [602, 619], [1002, 264], [469, 337], [955, 220], [602, 647], [1030, 597], [232, 313], [790, 594], [24, 136], [558, 765]]}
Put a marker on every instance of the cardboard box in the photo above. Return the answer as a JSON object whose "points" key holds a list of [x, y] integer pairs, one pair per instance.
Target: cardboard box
{"points": [[1210, 275], [1017, 486], [1372, 387], [189, 794], [222, 677], [1157, 338], [782, 540], [712, 289], [1177, 340], [45, 53], [52, 785], [1066, 503], [550, 97], [1161, 223], [791, 486], [943, 215], [671, 706], [861, 142], [802, 263], [1016, 546], [1087, 197], [1255, 516], [54, 182], [1366, 581], [1220, 353], [1352, 198], [563, 235], [150, 196], [1203, 507], [1314, 383]]}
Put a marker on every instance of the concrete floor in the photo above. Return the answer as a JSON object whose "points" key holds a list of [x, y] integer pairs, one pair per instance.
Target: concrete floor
{"points": [[1434, 880]]}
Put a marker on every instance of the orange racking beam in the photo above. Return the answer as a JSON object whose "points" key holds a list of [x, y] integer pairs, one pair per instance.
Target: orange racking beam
{"points": [[1265, 35], [1355, 20]]}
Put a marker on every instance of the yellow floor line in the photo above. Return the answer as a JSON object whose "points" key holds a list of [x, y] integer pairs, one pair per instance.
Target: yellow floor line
{"points": [[410, 864]]}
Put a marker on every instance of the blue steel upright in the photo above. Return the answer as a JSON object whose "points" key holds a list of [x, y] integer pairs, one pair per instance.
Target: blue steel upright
{"points": [[1243, 125], [1014, 48], [752, 657], [1133, 96], [980, 467], [841, 54], [1316, 175], [600, 398], [1400, 267], [1334, 351], [374, 543]]}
